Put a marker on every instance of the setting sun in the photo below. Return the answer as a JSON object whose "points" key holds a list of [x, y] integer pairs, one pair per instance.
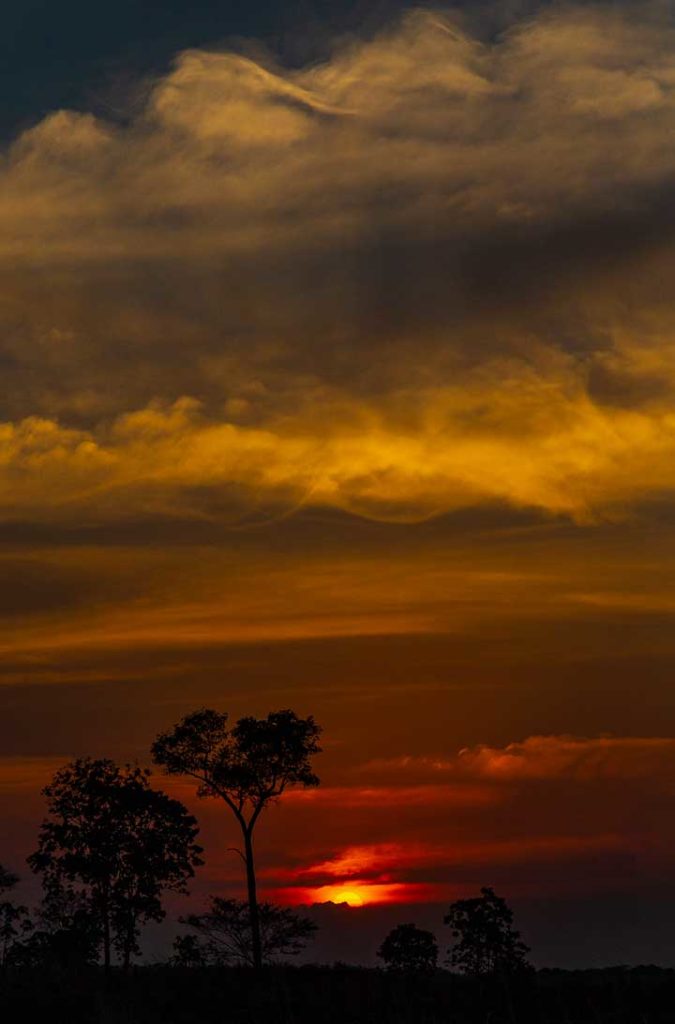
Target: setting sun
{"points": [[349, 896], [354, 893]]}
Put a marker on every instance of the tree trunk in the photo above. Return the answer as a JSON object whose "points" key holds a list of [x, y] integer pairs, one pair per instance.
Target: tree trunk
{"points": [[128, 941], [256, 944], [106, 939]]}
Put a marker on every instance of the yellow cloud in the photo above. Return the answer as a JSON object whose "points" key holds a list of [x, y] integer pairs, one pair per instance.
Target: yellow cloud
{"points": [[525, 440], [204, 249]]}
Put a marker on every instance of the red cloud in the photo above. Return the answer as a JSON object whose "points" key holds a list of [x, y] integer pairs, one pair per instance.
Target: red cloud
{"points": [[550, 757], [446, 793], [541, 757]]}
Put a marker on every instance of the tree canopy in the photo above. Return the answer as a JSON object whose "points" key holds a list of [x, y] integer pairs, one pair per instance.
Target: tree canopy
{"points": [[485, 941], [115, 843], [247, 765], [409, 949]]}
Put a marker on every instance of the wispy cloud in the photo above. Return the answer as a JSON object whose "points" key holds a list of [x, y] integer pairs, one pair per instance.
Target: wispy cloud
{"points": [[325, 287]]}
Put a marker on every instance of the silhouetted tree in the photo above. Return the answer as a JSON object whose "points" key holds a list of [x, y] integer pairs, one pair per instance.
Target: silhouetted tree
{"points": [[7, 879], [247, 766], [14, 918], [116, 844], [70, 947], [485, 940], [410, 949], [188, 951], [66, 932], [226, 930]]}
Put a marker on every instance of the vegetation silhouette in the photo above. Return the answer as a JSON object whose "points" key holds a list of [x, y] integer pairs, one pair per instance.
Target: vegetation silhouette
{"points": [[248, 767], [14, 918], [337, 994], [225, 933], [485, 941], [63, 934], [410, 949], [111, 846]]}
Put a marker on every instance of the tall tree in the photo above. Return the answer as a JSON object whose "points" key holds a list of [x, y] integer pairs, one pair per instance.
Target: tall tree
{"points": [[247, 766], [117, 844], [225, 932], [485, 941]]}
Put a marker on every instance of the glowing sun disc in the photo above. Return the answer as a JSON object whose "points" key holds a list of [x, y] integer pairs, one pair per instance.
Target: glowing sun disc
{"points": [[349, 896]]}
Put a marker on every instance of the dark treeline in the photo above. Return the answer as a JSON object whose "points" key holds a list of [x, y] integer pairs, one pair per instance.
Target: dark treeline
{"points": [[112, 845], [338, 994]]}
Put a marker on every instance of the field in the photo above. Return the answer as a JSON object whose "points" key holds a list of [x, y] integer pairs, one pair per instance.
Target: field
{"points": [[337, 995]]}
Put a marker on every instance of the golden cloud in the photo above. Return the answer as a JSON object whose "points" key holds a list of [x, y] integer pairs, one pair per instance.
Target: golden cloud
{"points": [[273, 288], [458, 448]]}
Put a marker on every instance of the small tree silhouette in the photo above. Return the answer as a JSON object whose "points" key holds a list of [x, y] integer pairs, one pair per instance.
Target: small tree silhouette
{"points": [[485, 940], [69, 934], [14, 919], [410, 949], [7, 879], [226, 930], [188, 951], [112, 845], [247, 766]]}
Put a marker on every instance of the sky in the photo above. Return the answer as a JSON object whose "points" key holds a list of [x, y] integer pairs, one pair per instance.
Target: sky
{"points": [[338, 353]]}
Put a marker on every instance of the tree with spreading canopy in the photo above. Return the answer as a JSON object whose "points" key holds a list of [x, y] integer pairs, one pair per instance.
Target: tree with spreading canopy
{"points": [[113, 845], [248, 766], [409, 949], [225, 934], [485, 940]]}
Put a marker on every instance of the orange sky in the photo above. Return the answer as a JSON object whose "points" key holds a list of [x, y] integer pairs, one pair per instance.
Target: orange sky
{"points": [[351, 388]]}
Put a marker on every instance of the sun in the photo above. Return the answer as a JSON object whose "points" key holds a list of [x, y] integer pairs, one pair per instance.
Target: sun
{"points": [[353, 892], [350, 896]]}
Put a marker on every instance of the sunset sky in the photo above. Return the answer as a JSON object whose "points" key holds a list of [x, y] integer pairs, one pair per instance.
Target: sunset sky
{"points": [[338, 361]]}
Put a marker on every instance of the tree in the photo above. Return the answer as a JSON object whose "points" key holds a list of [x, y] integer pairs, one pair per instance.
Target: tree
{"points": [[188, 951], [14, 918], [226, 930], [7, 879], [485, 940], [410, 949], [247, 766], [72, 944], [115, 845], [66, 932]]}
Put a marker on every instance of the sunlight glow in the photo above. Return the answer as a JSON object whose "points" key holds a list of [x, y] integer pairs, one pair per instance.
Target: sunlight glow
{"points": [[353, 892]]}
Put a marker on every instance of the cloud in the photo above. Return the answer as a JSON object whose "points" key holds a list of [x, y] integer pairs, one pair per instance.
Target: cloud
{"points": [[386, 861], [559, 757], [545, 758], [492, 129], [556, 813], [422, 275], [345, 797], [458, 448]]}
